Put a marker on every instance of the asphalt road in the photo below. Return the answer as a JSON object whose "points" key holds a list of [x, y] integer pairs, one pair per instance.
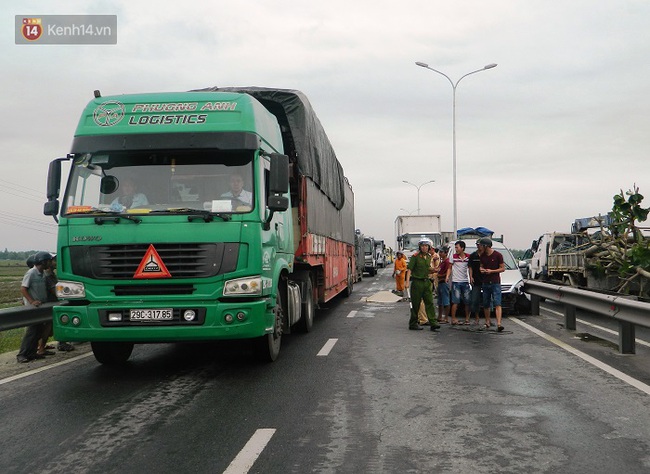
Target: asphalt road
{"points": [[360, 393]]}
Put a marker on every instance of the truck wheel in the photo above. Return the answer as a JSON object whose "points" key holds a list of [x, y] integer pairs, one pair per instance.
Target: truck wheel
{"points": [[267, 347], [306, 322], [350, 287], [112, 353]]}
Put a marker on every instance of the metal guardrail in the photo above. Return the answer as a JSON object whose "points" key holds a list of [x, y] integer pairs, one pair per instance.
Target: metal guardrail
{"points": [[628, 311], [21, 316]]}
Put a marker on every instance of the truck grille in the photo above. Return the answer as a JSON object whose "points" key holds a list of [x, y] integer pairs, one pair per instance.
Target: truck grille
{"points": [[186, 260]]}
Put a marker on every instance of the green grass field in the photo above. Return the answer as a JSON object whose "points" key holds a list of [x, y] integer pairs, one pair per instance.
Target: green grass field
{"points": [[11, 274]]}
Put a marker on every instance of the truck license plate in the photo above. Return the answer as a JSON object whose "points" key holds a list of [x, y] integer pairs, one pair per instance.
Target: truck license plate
{"points": [[151, 314]]}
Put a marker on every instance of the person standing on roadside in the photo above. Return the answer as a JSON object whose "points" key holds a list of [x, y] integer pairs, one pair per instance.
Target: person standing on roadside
{"points": [[444, 295], [475, 281], [34, 291], [459, 281], [51, 280], [399, 272], [419, 267], [50, 284], [492, 265]]}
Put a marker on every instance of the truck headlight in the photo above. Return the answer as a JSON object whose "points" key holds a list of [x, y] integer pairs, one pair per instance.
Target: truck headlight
{"points": [[70, 289], [243, 286]]}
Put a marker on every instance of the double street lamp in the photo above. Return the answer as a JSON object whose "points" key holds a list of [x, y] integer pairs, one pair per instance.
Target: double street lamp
{"points": [[418, 188], [453, 86]]}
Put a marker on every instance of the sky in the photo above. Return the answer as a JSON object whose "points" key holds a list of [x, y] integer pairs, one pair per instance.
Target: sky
{"points": [[551, 134]]}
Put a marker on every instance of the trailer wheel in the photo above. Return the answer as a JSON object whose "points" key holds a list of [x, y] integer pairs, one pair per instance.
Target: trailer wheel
{"points": [[267, 347], [308, 308], [350, 287], [112, 353]]}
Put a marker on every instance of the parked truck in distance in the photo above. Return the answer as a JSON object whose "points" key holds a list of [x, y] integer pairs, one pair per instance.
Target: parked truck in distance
{"points": [[214, 214], [370, 256], [360, 256], [380, 253], [543, 247], [571, 258], [409, 230]]}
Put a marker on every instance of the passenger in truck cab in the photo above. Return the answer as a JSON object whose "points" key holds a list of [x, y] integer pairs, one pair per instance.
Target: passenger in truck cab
{"points": [[237, 191], [129, 197]]}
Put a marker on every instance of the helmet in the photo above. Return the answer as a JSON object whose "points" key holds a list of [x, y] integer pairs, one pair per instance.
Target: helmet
{"points": [[41, 257], [30, 261], [425, 241]]}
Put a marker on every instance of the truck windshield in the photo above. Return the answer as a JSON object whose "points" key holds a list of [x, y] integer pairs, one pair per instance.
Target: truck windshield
{"points": [[174, 181], [411, 241]]}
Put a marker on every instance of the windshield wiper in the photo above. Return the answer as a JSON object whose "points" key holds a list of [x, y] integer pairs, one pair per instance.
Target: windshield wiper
{"points": [[116, 217], [194, 214]]}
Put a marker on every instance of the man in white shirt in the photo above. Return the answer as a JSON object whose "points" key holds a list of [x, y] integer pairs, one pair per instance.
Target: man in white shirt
{"points": [[460, 289], [237, 190]]}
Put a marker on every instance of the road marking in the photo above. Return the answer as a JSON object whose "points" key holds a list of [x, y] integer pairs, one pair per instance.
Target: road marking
{"points": [[327, 347], [351, 314], [610, 331], [592, 360], [250, 452], [44, 368]]}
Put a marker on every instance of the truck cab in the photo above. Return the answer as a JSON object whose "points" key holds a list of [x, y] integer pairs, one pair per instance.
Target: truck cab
{"points": [[380, 253], [370, 256], [549, 242]]}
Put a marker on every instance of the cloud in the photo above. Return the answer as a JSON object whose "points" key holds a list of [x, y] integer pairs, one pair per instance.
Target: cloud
{"points": [[549, 135]]}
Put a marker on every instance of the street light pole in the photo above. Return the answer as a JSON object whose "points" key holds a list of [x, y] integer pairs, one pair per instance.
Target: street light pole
{"points": [[453, 86], [418, 188]]}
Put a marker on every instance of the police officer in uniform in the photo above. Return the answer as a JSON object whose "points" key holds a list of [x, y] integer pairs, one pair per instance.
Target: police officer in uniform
{"points": [[421, 287]]}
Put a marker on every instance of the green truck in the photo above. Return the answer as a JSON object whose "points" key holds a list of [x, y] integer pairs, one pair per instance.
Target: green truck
{"points": [[220, 213]]}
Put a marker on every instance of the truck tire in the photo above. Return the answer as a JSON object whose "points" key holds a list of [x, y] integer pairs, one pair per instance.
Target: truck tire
{"points": [[308, 308], [112, 353], [267, 347], [348, 290]]}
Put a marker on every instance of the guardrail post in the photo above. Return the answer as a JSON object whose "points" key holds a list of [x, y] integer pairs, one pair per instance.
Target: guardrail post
{"points": [[534, 305], [569, 317], [626, 342]]}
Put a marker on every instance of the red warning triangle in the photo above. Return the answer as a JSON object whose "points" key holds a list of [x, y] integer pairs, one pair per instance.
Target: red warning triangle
{"points": [[152, 266]]}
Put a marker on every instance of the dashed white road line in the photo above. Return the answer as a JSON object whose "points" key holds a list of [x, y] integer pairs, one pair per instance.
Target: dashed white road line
{"points": [[250, 452], [352, 314], [601, 328], [592, 360], [325, 350]]}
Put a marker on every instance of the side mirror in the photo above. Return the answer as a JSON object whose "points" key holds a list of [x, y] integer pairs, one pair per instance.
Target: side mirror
{"points": [[278, 185], [54, 180], [278, 203], [279, 174], [53, 188], [51, 208]]}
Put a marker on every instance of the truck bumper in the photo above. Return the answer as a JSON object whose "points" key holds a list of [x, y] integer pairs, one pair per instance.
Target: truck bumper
{"points": [[97, 322]]}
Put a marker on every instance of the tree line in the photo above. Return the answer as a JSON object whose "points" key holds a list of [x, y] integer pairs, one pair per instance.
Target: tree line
{"points": [[15, 255]]}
